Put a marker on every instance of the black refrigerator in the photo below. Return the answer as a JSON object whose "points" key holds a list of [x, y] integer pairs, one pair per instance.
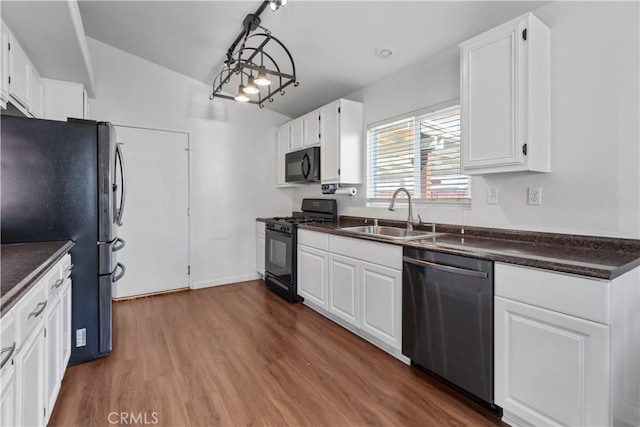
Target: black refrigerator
{"points": [[66, 181]]}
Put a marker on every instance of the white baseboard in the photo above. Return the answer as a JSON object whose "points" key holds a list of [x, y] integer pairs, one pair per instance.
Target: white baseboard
{"points": [[224, 281]]}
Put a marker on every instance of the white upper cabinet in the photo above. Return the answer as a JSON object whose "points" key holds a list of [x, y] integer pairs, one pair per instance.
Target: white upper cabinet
{"points": [[19, 74], [505, 98], [4, 67], [341, 137], [35, 94], [63, 100], [311, 129], [297, 135], [282, 148]]}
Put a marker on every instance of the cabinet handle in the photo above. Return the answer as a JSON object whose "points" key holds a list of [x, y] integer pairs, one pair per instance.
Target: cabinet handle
{"points": [[446, 268], [9, 356], [69, 268], [36, 312], [58, 283]]}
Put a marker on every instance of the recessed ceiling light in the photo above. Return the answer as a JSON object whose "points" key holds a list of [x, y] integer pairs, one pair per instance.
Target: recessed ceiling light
{"points": [[385, 51]]}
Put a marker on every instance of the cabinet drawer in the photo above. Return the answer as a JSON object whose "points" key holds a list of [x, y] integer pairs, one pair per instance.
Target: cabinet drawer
{"points": [[576, 296], [65, 266], [29, 312], [8, 337], [388, 255], [314, 239], [55, 278]]}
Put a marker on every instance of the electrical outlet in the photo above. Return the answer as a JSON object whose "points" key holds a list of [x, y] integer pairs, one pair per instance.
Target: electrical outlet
{"points": [[492, 196], [535, 196], [81, 337]]}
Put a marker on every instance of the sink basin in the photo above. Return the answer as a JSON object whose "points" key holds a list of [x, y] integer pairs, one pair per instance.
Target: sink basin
{"points": [[393, 233]]}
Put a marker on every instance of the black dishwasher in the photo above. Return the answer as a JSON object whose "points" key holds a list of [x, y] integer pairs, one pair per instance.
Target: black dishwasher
{"points": [[447, 318]]}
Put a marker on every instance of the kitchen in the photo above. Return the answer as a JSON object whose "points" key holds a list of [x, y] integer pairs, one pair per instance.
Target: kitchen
{"points": [[594, 122]]}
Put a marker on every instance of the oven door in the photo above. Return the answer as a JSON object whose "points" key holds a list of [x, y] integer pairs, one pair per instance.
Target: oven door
{"points": [[278, 255]]}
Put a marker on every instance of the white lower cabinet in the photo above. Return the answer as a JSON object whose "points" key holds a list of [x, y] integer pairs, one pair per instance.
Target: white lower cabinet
{"points": [[8, 392], [53, 348], [343, 288], [8, 396], [66, 327], [312, 275], [552, 369], [567, 348], [355, 282], [36, 346], [260, 247], [381, 301], [30, 372]]}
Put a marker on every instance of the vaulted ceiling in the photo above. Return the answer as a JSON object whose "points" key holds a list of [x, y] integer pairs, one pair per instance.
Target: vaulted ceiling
{"points": [[333, 43]]}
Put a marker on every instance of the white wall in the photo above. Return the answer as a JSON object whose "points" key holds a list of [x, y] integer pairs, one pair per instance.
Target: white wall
{"points": [[232, 162], [594, 186]]}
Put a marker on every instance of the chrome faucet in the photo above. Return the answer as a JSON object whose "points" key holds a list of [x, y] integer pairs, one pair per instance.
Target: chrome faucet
{"points": [[410, 221]]}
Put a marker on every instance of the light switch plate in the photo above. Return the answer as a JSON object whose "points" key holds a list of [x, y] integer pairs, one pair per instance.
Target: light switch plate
{"points": [[492, 196]]}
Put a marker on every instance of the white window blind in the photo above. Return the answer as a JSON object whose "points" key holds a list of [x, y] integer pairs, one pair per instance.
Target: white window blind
{"points": [[420, 153]]}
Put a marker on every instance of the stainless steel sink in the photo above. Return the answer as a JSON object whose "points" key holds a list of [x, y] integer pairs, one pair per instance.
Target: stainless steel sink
{"points": [[393, 233]]}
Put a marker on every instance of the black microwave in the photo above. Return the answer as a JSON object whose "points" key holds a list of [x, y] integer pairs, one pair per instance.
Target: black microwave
{"points": [[303, 165]]}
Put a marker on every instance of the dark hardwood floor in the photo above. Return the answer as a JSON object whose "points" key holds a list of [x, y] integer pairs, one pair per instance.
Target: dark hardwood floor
{"points": [[239, 355]]}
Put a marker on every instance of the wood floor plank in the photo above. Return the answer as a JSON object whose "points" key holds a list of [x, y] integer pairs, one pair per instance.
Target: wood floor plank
{"points": [[239, 355]]}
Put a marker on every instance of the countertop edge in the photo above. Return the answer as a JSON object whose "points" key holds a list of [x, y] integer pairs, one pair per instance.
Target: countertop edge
{"points": [[606, 274], [25, 285]]}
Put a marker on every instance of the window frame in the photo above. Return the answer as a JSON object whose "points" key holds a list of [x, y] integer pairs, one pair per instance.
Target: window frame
{"points": [[416, 114]]}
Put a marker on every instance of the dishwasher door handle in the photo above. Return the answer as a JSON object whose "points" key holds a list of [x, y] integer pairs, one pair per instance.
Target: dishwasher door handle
{"points": [[446, 268]]}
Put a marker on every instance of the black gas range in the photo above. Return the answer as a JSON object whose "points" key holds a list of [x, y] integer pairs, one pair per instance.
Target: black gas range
{"points": [[281, 245]]}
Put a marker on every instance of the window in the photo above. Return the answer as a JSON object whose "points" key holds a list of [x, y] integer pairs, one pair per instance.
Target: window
{"points": [[421, 153]]}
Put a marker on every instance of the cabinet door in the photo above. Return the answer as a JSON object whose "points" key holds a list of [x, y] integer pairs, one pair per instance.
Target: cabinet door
{"points": [[63, 99], [4, 65], [311, 129], [283, 145], [330, 152], [343, 288], [20, 74], [297, 135], [8, 393], [491, 99], [53, 351], [312, 276], [66, 326], [260, 248], [30, 405], [381, 303], [35, 88], [551, 369]]}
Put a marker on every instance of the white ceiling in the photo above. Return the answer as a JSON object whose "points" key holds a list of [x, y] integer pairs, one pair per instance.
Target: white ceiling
{"points": [[333, 43]]}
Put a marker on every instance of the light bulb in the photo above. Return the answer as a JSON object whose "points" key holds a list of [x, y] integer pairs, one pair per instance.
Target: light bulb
{"points": [[261, 79], [251, 87], [241, 97]]}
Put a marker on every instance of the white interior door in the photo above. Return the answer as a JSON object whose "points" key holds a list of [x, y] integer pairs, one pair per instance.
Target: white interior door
{"points": [[155, 220]]}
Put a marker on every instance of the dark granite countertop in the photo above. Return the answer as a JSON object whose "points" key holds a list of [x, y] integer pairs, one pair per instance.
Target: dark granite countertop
{"points": [[589, 256], [23, 264]]}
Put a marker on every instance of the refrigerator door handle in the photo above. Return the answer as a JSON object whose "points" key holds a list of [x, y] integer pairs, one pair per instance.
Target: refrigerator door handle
{"points": [[116, 246], [123, 192], [115, 277]]}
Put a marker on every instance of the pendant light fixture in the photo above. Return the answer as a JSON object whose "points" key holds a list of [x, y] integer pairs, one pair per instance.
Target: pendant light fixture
{"points": [[261, 58]]}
